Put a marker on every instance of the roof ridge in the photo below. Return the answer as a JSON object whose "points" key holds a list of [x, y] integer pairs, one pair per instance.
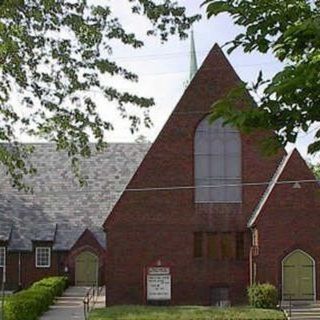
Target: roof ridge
{"points": [[269, 188]]}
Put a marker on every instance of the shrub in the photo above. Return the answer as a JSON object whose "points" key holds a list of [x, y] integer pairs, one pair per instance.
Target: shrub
{"points": [[263, 296], [29, 304], [56, 284]]}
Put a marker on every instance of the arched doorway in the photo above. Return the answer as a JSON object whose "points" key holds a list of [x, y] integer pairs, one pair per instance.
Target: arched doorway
{"points": [[86, 269], [298, 276]]}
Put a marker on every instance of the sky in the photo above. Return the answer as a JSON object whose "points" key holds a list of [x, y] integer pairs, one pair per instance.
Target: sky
{"points": [[163, 69]]}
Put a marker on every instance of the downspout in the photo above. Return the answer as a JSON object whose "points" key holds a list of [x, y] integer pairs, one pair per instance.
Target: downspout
{"points": [[250, 265], [19, 270], [4, 270], [3, 290], [251, 259]]}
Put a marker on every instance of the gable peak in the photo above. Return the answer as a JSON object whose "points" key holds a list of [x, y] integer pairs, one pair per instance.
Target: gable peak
{"points": [[216, 63]]}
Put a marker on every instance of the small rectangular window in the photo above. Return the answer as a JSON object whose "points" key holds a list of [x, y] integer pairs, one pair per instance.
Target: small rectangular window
{"points": [[43, 257], [197, 244], [227, 247], [2, 257], [240, 245], [212, 245]]}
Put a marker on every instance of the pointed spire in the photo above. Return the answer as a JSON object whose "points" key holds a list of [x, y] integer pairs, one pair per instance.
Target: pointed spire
{"points": [[193, 57]]}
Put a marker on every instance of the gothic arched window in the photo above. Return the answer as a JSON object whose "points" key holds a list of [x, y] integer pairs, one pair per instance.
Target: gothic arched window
{"points": [[217, 157]]}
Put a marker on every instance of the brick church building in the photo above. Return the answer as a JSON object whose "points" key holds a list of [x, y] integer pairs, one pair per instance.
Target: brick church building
{"points": [[193, 219], [206, 214]]}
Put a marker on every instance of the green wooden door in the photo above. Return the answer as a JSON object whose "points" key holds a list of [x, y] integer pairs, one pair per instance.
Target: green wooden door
{"points": [[86, 269], [298, 276]]}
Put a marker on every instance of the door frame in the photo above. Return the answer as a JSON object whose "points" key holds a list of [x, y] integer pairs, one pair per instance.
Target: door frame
{"points": [[97, 266], [313, 273]]}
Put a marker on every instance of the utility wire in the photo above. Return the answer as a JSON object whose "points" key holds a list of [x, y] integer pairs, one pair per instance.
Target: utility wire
{"points": [[141, 75], [166, 55], [169, 55], [245, 184], [215, 68], [170, 188]]}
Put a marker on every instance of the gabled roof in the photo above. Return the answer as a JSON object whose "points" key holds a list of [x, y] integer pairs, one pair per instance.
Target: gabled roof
{"points": [[67, 236], [59, 209], [98, 235], [212, 81], [270, 188]]}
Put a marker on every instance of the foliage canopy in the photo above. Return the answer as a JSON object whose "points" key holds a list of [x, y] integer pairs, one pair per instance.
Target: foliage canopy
{"points": [[52, 53], [290, 101]]}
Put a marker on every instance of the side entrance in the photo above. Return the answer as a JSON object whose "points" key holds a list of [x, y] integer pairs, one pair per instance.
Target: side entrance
{"points": [[298, 276], [86, 269]]}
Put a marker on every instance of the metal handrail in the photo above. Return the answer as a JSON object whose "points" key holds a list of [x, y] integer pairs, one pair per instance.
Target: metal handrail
{"points": [[290, 305], [90, 300]]}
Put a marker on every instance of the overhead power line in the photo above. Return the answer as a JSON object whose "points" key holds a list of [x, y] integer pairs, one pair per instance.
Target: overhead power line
{"points": [[244, 184], [169, 55], [165, 188]]}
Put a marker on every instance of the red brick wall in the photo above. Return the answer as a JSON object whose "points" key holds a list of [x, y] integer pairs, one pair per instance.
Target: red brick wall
{"points": [[145, 226], [29, 273], [290, 220], [59, 260]]}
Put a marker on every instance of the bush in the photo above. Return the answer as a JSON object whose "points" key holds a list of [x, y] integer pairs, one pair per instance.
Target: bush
{"points": [[29, 304], [56, 285], [263, 296]]}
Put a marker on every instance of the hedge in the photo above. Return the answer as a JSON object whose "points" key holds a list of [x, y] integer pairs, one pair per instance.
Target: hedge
{"points": [[29, 304], [263, 296]]}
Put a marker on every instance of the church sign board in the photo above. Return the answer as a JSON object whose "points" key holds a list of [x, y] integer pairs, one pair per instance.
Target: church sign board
{"points": [[158, 284]]}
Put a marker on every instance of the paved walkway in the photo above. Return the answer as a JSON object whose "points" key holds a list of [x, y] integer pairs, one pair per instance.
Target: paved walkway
{"points": [[70, 305]]}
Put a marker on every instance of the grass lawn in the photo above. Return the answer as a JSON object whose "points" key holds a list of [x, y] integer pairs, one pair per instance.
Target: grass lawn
{"points": [[183, 313]]}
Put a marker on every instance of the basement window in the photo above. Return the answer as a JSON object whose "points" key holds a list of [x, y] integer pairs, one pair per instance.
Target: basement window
{"points": [[43, 257], [220, 297], [2, 257]]}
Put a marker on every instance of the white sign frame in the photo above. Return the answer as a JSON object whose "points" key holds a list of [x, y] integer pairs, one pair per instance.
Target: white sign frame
{"points": [[159, 284]]}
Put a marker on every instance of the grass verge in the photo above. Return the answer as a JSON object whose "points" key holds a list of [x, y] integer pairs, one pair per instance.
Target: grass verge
{"points": [[184, 313]]}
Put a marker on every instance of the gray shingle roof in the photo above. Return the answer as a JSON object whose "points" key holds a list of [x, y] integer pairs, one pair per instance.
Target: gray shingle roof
{"points": [[43, 232], [66, 236], [59, 209], [5, 231]]}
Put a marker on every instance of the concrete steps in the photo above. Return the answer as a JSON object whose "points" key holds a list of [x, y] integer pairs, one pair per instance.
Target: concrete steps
{"points": [[302, 310]]}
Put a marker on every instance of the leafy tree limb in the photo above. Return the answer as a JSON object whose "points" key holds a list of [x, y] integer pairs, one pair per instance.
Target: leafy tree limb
{"points": [[53, 53], [290, 101]]}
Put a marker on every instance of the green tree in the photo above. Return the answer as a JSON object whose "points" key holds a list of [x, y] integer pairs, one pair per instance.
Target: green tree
{"points": [[316, 169], [290, 102], [54, 51]]}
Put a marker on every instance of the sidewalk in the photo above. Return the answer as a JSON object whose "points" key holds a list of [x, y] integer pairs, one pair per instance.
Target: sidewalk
{"points": [[70, 305]]}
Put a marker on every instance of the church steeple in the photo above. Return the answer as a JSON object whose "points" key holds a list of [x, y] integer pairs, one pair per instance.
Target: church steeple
{"points": [[193, 58]]}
